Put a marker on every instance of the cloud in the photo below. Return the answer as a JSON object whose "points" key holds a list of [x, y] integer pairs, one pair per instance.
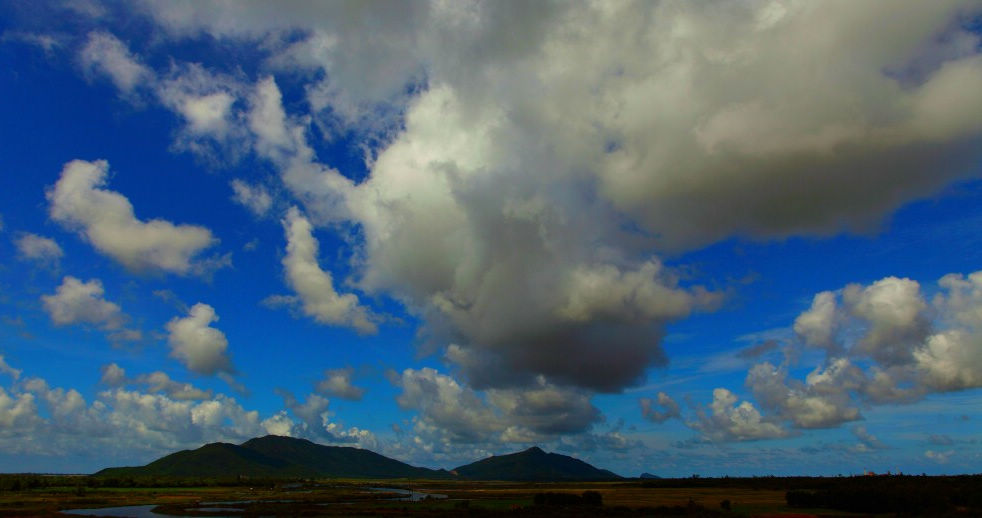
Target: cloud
{"points": [[823, 401], [105, 54], [867, 441], [817, 326], [112, 375], [443, 403], [758, 350], [337, 383], [158, 381], [106, 220], [37, 248], [884, 344], [77, 302], [213, 130], [200, 347], [894, 312], [670, 125], [5, 368], [451, 414], [941, 457], [315, 286], [726, 422], [669, 409], [255, 198]]}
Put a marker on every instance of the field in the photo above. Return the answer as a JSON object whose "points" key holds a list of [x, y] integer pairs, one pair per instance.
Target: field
{"points": [[765, 497]]}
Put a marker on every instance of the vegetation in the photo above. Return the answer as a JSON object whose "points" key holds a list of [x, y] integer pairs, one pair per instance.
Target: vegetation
{"points": [[37, 495], [904, 495], [274, 456], [533, 464]]}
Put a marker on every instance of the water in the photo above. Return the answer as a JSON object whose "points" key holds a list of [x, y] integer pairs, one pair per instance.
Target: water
{"points": [[133, 511], [411, 496], [146, 511]]}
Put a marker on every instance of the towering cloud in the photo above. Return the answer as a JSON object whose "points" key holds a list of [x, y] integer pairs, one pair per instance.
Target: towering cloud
{"points": [[532, 232]]}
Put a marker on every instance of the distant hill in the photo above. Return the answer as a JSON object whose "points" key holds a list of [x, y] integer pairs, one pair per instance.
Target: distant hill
{"points": [[647, 475], [533, 464], [276, 456]]}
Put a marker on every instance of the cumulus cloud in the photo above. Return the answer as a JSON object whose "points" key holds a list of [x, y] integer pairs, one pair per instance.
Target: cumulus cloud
{"points": [[33, 247], [112, 375], [823, 401], [669, 408], [450, 413], [200, 347], [255, 198], [884, 343], [314, 286], [106, 220], [205, 101], [726, 421], [491, 216], [443, 403], [106, 54], [315, 423], [77, 302], [493, 213], [337, 383], [158, 381]]}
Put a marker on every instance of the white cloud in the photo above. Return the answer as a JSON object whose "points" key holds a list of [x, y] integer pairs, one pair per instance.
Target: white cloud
{"points": [[894, 312], [38, 248], [104, 53], [941, 457], [200, 347], [451, 414], [5, 368], [214, 130], [669, 125], [112, 375], [158, 381], [337, 383], [76, 302], [447, 406], [255, 198], [823, 401], [315, 286], [742, 422], [106, 220], [818, 325]]}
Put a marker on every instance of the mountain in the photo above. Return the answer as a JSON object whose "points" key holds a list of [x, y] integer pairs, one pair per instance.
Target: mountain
{"points": [[647, 475], [276, 456], [533, 464]]}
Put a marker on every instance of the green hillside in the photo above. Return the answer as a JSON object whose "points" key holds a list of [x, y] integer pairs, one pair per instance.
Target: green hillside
{"points": [[275, 456], [533, 464]]}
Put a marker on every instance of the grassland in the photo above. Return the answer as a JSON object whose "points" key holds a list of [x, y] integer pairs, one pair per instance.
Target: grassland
{"points": [[353, 498]]}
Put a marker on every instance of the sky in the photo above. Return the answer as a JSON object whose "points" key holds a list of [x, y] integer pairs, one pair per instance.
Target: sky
{"points": [[715, 238]]}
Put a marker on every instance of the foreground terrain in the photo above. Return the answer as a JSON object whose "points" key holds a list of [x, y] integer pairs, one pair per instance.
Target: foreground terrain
{"points": [[34, 495]]}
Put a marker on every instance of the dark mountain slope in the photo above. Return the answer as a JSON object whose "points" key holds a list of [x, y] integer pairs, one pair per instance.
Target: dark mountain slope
{"points": [[274, 456], [533, 464]]}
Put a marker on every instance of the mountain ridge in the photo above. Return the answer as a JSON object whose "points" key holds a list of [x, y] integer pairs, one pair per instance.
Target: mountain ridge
{"points": [[276, 456], [533, 464]]}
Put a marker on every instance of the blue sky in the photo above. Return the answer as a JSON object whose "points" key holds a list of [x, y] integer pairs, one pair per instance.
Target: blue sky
{"points": [[673, 237]]}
